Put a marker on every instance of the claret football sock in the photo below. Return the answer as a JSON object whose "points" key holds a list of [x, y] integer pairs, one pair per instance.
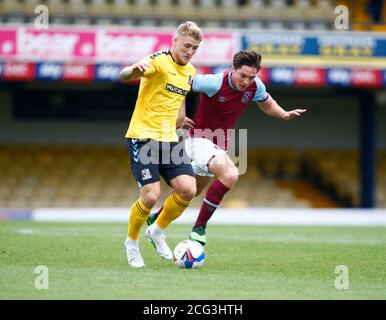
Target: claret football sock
{"points": [[213, 197]]}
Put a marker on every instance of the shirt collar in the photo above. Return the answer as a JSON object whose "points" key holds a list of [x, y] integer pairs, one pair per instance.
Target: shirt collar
{"points": [[230, 81], [175, 60]]}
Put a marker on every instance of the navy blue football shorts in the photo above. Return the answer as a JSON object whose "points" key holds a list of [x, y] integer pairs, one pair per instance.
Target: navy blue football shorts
{"points": [[152, 159]]}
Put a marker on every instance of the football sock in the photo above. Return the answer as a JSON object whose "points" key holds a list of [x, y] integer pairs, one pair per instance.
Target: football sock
{"points": [[159, 211], [213, 197], [132, 243], [173, 207], [138, 216], [155, 229]]}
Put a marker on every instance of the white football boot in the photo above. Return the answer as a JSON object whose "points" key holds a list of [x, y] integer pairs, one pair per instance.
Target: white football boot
{"points": [[159, 243], [134, 257]]}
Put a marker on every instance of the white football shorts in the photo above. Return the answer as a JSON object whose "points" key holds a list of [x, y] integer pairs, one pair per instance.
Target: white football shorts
{"points": [[200, 151]]}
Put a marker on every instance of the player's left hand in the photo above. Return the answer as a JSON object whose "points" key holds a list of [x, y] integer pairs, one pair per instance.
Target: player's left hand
{"points": [[293, 114]]}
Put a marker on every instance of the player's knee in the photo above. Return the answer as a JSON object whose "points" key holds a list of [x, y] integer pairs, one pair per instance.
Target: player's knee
{"points": [[188, 191], [230, 175], [150, 198]]}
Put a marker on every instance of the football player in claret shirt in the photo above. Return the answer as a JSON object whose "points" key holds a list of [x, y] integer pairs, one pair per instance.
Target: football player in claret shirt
{"points": [[223, 98], [166, 78]]}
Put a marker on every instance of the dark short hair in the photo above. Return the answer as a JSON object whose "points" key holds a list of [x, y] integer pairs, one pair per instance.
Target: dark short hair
{"points": [[247, 58]]}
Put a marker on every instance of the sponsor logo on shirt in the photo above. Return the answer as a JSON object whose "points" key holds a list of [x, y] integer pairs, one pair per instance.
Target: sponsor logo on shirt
{"points": [[221, 99], [175, 89]]}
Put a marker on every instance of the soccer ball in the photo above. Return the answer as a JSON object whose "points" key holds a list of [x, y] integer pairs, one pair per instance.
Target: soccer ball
{"points": [[189, 254]]}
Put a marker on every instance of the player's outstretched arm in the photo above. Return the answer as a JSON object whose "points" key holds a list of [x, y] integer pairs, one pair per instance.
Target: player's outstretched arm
{"points": [[271, 108], [134, 71]]}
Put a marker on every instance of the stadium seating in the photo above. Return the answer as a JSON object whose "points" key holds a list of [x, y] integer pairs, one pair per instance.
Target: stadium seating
{"points": [[91, 176], [337, 172], [100, 176], [272, 14]]}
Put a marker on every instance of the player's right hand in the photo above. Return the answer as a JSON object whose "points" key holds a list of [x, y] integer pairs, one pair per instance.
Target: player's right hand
{"points": [[140, 67], [188, 123]]}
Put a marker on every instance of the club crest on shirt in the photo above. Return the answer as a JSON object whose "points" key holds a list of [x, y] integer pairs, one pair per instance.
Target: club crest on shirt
{"points": [[247, 95], [146, 174], [221, 99]]}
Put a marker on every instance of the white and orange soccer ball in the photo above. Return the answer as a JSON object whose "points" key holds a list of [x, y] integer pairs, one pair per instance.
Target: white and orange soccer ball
{"points": [[189, 254]]}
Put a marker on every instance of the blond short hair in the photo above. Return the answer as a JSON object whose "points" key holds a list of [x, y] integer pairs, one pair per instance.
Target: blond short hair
{"points": [[189, 28]]}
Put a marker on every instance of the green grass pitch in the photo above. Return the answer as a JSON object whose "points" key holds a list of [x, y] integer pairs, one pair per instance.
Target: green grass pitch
{"points": [[88, 261]]}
